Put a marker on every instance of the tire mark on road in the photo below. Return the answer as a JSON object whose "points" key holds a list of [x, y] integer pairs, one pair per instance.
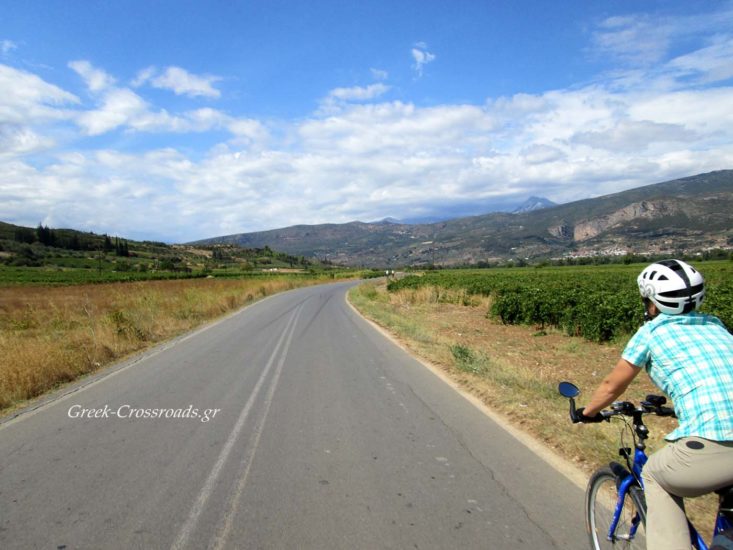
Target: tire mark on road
{"points": [[189, 525], [221, 535]]}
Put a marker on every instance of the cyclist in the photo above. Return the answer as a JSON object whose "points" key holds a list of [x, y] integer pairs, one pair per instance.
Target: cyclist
{"points": [[689, 356]]}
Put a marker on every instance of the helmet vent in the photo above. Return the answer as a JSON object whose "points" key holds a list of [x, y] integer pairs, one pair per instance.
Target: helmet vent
{"points": [[663, 278], [683, 292]]}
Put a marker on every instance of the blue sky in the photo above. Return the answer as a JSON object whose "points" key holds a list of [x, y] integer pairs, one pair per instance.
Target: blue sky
{"points": [[179, 120]]}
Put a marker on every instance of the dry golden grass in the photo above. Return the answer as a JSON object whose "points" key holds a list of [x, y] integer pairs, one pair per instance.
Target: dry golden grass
{"points": [[52, 335], [515, 371]]}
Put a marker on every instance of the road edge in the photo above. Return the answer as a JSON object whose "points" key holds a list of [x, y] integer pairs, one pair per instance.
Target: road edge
{"points": [[66, 391], [558, 462]]}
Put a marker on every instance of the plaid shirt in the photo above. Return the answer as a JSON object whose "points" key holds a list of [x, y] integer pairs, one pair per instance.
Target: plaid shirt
{"points": [[690, 358]]}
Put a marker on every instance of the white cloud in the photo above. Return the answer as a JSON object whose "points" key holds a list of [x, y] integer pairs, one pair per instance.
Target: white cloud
{"points": [[16, 140], [640, 40], [143, 76], [630, 136], [247, 131], [122, 108], [358, 93], [637, 40], [7, 46], [379, 74], [340, 98], [397, 128], [541, 154], [422, 57], [119, 107], [181, 82], [709, 112], [26, 99], [96, 79], [713, 63]]}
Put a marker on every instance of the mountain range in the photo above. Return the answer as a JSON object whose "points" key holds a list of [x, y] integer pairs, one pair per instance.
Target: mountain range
{"points": [[679, 216]]}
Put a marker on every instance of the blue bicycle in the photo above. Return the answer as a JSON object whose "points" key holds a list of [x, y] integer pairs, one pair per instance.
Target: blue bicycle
{"points": [[623, 528]]}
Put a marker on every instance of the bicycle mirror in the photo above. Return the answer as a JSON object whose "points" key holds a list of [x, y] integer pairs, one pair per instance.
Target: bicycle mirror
{"points": [[568, 389]]}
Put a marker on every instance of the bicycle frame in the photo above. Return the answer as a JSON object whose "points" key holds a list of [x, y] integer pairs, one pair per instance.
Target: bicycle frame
{"points": [[625, 479], [721, 523]]}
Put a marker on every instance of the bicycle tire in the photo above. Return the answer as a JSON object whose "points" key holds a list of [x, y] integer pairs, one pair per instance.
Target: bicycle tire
{"points": [[599, 515]]}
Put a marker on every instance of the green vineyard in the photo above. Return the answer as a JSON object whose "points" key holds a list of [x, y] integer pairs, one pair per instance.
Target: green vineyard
{"points": [[599, 303]]}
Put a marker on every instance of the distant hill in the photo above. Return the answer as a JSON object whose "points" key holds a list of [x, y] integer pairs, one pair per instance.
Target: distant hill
{"points": [[687, 214], [71, 249], [532, 204]]}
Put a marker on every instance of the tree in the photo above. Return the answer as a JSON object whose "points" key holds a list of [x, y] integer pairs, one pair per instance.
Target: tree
{"points": [[121, 247], [25, 235], [45, 235]]}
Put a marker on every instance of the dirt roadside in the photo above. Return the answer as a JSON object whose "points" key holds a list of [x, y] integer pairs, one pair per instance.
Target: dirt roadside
{"points": [[512, 373]]}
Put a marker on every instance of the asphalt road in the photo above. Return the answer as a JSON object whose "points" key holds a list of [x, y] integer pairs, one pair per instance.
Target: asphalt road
{"points": [[327, 435]]}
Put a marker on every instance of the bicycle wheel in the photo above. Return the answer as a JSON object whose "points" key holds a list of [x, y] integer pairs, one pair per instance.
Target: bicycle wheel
{"points": [[600, 499]]}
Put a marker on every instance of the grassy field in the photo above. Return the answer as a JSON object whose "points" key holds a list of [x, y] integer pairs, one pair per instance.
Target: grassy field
{"points": [[72, 274], [53, 335], [515, 369]]}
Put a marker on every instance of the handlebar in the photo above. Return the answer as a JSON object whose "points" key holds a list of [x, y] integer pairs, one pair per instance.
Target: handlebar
{"points": [[653, 404]]}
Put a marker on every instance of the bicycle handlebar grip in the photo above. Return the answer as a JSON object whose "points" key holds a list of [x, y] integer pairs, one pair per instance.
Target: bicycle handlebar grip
{"points": [[656, 400], [667, 411], [598, 417]]}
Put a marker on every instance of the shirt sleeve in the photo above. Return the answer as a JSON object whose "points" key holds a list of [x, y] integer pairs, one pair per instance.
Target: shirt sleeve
{"points": [[637, 350]]}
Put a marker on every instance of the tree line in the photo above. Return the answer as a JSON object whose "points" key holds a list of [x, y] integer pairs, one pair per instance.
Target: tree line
{"points": [[71, 240]]}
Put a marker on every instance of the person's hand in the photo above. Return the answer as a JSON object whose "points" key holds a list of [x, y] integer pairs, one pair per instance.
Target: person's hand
{"points": [[581, 417]]}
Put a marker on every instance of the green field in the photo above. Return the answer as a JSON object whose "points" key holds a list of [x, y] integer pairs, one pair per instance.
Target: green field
{"points": [[10, 275], [597, 302], [45, 256]]}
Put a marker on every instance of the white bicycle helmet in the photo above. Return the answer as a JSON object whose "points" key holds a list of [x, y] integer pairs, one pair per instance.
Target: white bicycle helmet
{"points": [[673, 286]]}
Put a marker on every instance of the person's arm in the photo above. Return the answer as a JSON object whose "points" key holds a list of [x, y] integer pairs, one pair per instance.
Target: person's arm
{"points": [[612, 387]]}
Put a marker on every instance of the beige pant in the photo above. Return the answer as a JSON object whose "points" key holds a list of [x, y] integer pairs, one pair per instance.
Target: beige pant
{"points": [[688, 467]]}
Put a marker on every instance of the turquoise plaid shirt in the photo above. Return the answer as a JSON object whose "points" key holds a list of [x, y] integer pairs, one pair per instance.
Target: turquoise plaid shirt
{"points": [[690, 358]]}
